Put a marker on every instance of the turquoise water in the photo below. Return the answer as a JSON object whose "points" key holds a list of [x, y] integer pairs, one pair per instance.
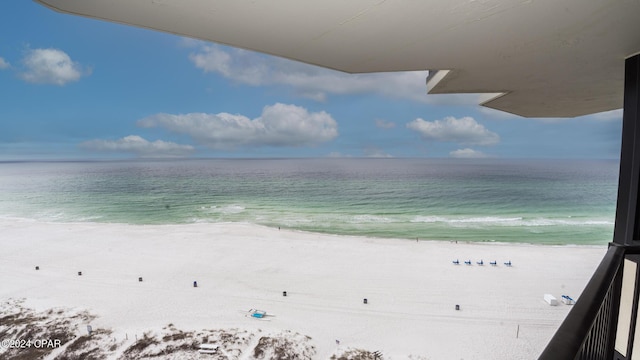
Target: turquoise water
{"points": [[553, 202]]}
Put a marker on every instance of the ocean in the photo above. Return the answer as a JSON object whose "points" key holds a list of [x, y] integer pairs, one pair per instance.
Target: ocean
{"points": [[523, 201]]}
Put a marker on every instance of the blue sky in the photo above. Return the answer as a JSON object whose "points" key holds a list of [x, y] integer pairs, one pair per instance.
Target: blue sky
{"points": [[75, 88]]}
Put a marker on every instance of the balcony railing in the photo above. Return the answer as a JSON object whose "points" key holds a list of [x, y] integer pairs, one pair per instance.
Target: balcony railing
{"points": [[588, 332]]}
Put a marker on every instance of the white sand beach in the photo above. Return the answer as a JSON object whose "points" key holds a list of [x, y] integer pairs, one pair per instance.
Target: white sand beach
{"points": [[411, 287]]}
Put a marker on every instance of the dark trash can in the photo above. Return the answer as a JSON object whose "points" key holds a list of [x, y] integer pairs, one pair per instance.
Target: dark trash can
{"points": [[195, 284], [457, 307], [284, 293], [365, 301], [140, 279]]}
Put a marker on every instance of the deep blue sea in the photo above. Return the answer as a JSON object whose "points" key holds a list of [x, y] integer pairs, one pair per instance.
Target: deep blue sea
{"points": [[525, 201]]}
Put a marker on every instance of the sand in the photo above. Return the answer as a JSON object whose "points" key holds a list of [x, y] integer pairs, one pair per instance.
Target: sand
{"points": [[411, 287]]}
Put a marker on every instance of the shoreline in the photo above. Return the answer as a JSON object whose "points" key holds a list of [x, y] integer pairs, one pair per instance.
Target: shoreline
{"points": [[411, 287], [12, 219]]}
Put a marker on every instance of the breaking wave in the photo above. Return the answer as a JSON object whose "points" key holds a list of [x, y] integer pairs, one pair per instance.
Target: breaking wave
{"points": [[510, 221]]}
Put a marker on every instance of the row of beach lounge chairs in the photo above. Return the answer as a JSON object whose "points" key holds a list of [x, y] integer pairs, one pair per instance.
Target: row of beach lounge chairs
{"points": [[492, 263]]}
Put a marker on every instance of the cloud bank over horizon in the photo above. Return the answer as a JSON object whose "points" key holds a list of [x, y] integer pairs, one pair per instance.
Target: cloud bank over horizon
{"points": [[464, 131], [467, 153], [139, 146], [279, 125]]}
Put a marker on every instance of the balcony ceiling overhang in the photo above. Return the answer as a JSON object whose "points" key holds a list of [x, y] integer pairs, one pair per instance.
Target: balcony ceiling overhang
{"points": [[546, 58]]}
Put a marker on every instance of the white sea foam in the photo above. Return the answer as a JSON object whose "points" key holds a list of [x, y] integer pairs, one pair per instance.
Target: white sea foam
{"points": [[428, 219], [359, 219], [509, 221], [486, 220], [227, 209]]}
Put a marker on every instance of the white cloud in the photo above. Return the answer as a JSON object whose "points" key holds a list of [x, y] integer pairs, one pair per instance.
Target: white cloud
{"points": [[315, 82], [467, 154], [186, 42], [613, 115], [50, 66], [337, 154], [139, 146], [376, 153], [4, 64], [464, 131], [278, 125], [384, 124]]}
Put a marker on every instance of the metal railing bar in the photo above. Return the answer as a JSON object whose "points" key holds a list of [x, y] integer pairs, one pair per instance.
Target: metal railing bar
{"points": [[592, 308]]}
